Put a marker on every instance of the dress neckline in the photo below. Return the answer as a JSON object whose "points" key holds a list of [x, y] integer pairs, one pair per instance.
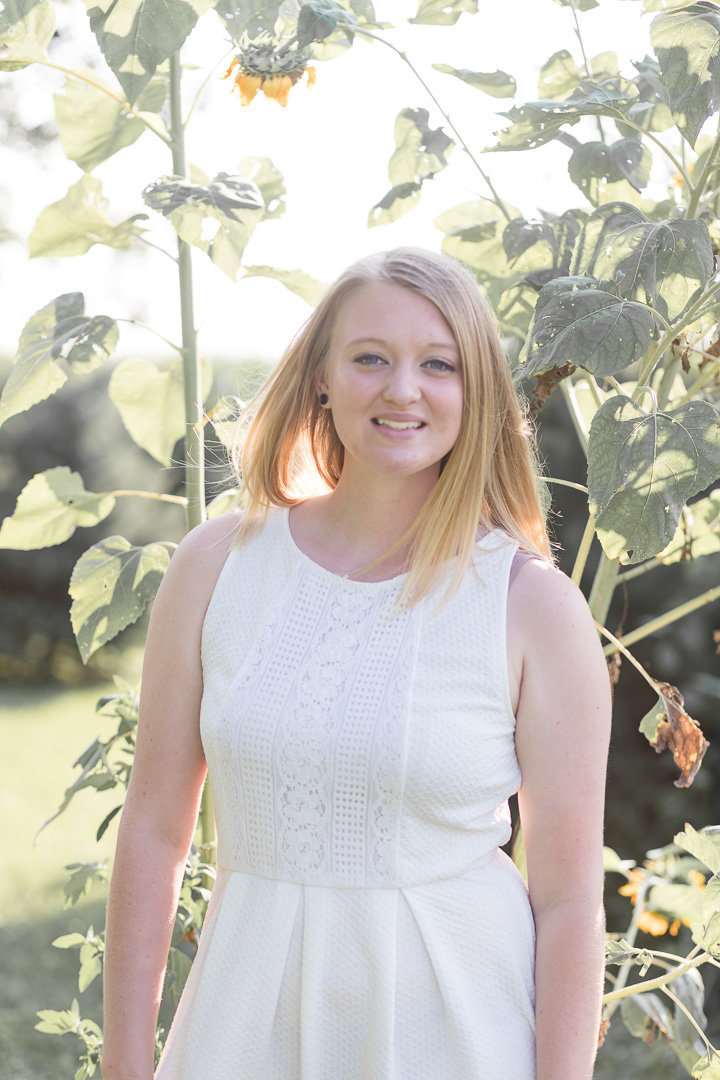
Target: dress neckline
{"points": [[343, 579]]}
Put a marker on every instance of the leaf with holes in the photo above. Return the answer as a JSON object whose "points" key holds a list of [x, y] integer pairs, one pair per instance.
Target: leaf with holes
{"points": [[559, 76], [420, 151], [111, 586], [495, 83], [687, 45], [251, 17], [49, 509], [269, 181], [303, 285], [642, 469], [77, 221], [26, 27], [593, 165], [663, 263], [395, 204], [538, 122], [577, 322], [219, 218], [136, 36], [57, 339]]}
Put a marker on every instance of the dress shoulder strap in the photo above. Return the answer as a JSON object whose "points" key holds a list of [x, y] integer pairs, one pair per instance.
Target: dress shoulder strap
{"points": [[519, 560]]}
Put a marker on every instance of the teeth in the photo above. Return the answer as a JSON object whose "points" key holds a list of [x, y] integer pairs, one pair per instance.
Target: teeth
{"points": [[400, 425]]}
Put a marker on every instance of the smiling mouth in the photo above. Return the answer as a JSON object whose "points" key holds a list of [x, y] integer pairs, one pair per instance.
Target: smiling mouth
{"points": [[399, 425]]}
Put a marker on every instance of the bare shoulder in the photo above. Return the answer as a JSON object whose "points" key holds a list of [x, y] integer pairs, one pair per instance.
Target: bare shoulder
{"points": [[544, 604], [196, 564]]}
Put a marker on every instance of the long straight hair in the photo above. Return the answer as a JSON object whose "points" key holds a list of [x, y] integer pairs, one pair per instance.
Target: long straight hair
{"points": [[491, 477]]}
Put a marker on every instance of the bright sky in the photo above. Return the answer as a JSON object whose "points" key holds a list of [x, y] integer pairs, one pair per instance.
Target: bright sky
{"points": [[332, 143]]}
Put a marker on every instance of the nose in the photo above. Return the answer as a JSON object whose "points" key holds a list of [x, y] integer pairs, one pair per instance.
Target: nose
{"points": [[402, 386]]}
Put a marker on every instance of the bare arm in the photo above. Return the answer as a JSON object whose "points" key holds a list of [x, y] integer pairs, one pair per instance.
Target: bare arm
{"points": [[161, 807], [562, 734]]}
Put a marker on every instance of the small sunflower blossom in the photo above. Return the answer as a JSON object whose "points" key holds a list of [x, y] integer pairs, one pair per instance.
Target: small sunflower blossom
{"points": [[268, 66], [653, 922]]}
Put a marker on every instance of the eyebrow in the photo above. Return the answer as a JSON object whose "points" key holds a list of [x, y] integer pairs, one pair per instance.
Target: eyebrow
{"points": [[381, 341]]}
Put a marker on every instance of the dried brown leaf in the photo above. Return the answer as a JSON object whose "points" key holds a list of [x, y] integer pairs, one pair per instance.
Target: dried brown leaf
{"points": [[680, 734], [546, 384]]}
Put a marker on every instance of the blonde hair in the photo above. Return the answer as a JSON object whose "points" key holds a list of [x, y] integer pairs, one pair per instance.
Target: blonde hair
{"points": [[490, 478]]}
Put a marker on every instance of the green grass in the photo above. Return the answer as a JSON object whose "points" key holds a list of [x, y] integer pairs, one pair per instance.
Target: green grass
{"points": [[42, 731]]}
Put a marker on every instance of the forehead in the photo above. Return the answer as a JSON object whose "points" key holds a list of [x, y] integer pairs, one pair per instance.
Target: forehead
{"points": [[387, 312]]}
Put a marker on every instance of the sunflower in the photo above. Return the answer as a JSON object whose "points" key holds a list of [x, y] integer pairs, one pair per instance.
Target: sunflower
{"points": [[265, 65]]}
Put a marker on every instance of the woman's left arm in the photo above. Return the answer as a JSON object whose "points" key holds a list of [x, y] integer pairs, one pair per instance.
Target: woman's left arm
{"points": [[562, 735]]}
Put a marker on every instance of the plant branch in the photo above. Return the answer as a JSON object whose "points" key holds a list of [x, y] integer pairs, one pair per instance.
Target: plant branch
{"points": [[497, 199], [565, 483], [586, 61], [659, 143], [669, 617], [617, 646], [152, 330], [179, 500], [151, 244], [683, 1008], [204, 85], [105, 90], [654, 984], [699, 186], [584, 549]]}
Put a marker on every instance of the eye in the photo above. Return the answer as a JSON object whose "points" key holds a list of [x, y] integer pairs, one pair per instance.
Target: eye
{"points": [[368, 360], [437, 364]]}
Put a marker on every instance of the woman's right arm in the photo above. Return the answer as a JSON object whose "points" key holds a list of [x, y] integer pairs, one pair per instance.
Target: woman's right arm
{"points": [[161, 807]]}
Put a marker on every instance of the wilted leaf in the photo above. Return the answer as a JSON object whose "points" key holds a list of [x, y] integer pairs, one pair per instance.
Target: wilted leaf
{"points": [[57, 339], [77, 221], [137, 35], [443, 12], [420, 151], [151, 403], [594, 164], [26, 27], [219, 218], [318, 18], [92, 125], [687, 45], [642, 469], [577, 322], [495, 83], [49, 509], [668, 727], [269, 181], [303, 285], [111, 585], [645, 1016]]}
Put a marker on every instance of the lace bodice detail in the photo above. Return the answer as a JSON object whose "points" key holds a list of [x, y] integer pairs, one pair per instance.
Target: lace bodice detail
{"points": [[332, 722]]}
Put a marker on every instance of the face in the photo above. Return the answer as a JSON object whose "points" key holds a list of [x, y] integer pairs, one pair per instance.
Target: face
{"points": [[394, 382]]}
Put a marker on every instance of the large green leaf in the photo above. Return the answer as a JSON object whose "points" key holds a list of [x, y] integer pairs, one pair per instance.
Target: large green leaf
{"points": [[269, 181], [151, 403], [137, 35], [26, 27], [49, 509], [111, 585], [92, 125], [581, 5], [317, 20], [57, 339], [495, 83], [593, 165], [651, 111], [577, 322], [251, 17], [297, 281], [233, 202], [537, 122], [642, 469], [559, 76], [443, 12], [687, 45], [663, 263], [698, 532], [394, 204], [77, 221]]}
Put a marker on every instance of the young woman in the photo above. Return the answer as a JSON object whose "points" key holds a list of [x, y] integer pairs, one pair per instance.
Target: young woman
{"points": [[370, 673]]}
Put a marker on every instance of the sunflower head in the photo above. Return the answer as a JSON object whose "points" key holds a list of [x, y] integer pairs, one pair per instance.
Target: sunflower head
{"points": [[271, 66]]}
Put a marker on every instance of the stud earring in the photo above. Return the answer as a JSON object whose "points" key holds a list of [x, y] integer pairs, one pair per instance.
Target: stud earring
{"points": [[323, 399]]}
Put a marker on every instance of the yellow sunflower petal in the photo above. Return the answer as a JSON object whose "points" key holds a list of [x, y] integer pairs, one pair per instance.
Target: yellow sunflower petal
{"points": [[312, 76], [248, 85], [652, 923], [233, 64]]}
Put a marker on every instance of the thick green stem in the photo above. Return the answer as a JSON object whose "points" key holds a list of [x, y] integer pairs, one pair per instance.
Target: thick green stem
{"points": [[617, 994], [700, 183], [603, 587], [584, 550], [195, 429]]}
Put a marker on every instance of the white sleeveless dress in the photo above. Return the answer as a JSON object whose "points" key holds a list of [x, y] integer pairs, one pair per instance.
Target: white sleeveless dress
{"points": [[364, 924]]}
